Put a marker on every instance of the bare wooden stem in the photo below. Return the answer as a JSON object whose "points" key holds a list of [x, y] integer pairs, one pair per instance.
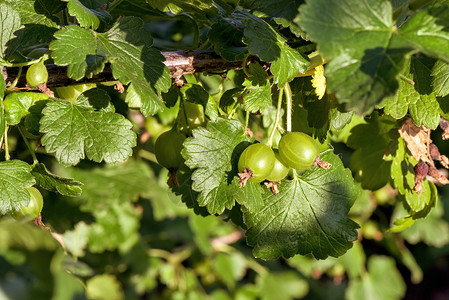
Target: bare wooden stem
{"points": [[178, 62]]}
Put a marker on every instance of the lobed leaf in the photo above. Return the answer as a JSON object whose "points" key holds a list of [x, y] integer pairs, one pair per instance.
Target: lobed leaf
{"points": [[309, 215], [127, 47], [73, 132], [211, 152], [367, 52], [270, 46], [259, 89]]}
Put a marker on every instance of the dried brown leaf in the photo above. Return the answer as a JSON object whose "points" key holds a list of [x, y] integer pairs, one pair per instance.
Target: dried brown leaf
{"points": [[417, 139]]}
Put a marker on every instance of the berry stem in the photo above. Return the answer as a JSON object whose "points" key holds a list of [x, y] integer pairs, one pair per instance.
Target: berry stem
{"points": [[14, 83], [246, 120], [7, 157], [276, 121], [27, 143], [288, 96], [244, 62], [28, 63]]}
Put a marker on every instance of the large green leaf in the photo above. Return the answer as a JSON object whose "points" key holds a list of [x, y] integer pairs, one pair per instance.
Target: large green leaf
{"points": [[367, 52], [73, 132], [308, 215], [127, 47], [15, 177], [9, 23], [211, 152]]}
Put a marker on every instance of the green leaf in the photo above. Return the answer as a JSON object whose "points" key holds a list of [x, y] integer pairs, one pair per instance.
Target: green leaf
{"points": [[419, 97], [210, 153], [402, 167], [403, 175], [104, 287], [25, 237], [433, 230], [195, 93], [88, 18], [420, 205], [367, 52], [54, 183], [226, 35], [353, 34], [111, 183], [289, 63], [230, 268], [284, 285], [34, 116], [2, 123], [67, 285], [367, 287], [423, 107], [96, 99], [73, 132], [258, 85], [426, 31], [127, 47], [116, 227], [15, 177], [76, 240], [93, 64], [321, 114], [17, 105], [2, 86], [10, 22], [184, 189], [286, 9], [38, 18], [371, 142], [309, 215], [229, 99], [179, 6], [266, 43], [440, 77]]}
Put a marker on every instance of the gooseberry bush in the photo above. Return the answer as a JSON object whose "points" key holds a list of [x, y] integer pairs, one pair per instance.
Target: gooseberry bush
{"points": [[227, 149]]}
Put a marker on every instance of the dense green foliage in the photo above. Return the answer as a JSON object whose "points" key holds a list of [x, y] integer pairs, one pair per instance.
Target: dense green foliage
{"points": [[359, 212]]}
